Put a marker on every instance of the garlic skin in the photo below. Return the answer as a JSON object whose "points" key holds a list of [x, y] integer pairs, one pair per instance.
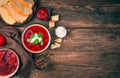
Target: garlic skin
{"points": [[56, 45], [58, 40]]}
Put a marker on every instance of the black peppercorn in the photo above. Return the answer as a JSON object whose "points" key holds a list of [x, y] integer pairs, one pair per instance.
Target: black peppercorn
{"points": [[42, 62]]}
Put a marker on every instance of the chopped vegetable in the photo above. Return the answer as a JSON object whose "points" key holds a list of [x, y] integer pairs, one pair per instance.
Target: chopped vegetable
{"points": [[36, 39]]}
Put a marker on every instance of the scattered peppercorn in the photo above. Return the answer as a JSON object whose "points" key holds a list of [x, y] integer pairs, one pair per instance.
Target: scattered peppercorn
{"points": [[42, 62]]}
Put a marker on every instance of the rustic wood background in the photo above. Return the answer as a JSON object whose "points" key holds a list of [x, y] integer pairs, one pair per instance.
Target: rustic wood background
{"points": [[92, 46]]}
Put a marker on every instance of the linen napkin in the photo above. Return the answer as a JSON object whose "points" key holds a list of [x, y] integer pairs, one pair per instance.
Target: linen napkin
{"points": [[12, 36]]}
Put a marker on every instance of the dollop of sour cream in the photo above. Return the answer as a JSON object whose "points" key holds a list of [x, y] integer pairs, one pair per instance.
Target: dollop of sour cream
{"points": [[61, 31]]}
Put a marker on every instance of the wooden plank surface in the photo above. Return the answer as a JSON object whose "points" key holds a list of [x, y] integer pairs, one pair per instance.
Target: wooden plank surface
{"points": [[85, 53], [82, 2], [89, 40], [75, 15], [92, 46], [86, 13], [91, 65]]}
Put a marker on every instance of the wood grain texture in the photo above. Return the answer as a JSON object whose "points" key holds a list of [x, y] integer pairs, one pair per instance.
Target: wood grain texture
{"points": [[87, 68], [89, 40], [85, 53], [83, 2], [91, 48], [86, 13]]}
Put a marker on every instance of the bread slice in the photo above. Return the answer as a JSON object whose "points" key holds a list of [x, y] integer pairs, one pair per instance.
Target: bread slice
{"points": [[6, 16], [13, 5], [2, 2], [26, 3], [51, 24], [29, 1], [55, 17], [25, 10], [56, 45], [16, 15]]}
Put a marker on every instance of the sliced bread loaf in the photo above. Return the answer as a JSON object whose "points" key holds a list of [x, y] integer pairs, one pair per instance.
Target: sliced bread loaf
{"points": [[7, 16], [16, 15], [26, 3], [13, 11], [2, 2], [15, 7], [25, 10]]}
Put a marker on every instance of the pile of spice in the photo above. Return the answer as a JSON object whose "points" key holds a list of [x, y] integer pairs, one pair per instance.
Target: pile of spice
{"points": [[42, 62]]}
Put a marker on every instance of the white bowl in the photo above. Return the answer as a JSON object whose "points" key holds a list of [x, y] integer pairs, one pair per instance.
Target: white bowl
{"points": [[61, 31]]}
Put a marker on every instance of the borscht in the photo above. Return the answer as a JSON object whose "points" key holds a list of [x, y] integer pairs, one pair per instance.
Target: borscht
{"points": [[36, 38], [9, 63]]}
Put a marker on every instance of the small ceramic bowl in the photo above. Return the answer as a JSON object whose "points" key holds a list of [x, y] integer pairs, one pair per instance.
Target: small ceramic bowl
{"points": [[43, 13], [61, 31], [9, 66], [30, 43]]}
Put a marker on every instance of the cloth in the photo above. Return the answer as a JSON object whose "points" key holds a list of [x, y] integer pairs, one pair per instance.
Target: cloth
{"points": [[14, 43]]}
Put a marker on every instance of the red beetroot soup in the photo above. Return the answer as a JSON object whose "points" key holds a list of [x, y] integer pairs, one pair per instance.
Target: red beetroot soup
{"points": [[32, 30], [8, 63]]}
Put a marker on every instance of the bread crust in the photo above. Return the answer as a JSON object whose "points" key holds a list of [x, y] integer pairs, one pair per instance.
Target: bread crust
{"points": [[25, 10], [15, 11], [19, 18], [3, 2], [26, 3], [6, 16]]}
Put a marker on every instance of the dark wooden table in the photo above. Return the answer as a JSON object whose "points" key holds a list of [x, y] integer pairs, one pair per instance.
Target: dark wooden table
{"points": [[92, 46]]}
